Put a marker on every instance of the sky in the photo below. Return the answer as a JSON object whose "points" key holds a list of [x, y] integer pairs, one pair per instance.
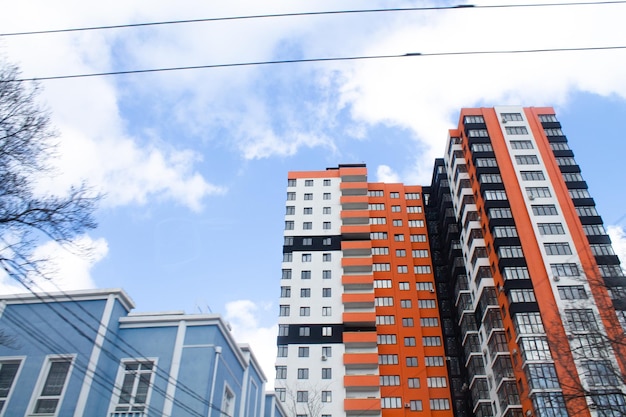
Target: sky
{"points": [[193, 164]]}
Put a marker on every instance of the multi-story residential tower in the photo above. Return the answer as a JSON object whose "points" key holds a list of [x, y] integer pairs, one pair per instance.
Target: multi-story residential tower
{"points": [[359, 329], [537, 289]]}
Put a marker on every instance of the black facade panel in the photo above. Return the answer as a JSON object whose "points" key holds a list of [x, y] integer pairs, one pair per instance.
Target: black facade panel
{"points": [[578, 202], [515, 308], [551, 125], [496, 203], [576, 184], [501, 222], [315, 334], [607, 260], [599, 239], [506, 241], [514, 284], [504, 262], [570, 169], [563, 152], [590, 219], [487, 170], [317, 244]]}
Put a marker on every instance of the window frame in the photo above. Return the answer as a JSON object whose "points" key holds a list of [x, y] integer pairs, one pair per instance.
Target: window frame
{"points": [[37, 393], [10, 360]]}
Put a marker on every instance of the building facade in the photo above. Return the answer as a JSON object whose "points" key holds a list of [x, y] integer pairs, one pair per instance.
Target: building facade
{"points": [[492, 292], [84, 354], [359, 329]]}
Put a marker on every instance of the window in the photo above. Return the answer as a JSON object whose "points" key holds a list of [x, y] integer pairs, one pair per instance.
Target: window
{"points": [[394, 195], [405, 304], [510, 252], [420, 253], [287, 257], [286, 274], [538, 192], [416, 223], [499, 195], [282, 351], [545, 210], [572, 292], [391, 402], [594, 229], [308, 183], [413, 209], [418, 238], [515, 272], [533, 175], [547, 118], [382, 283], [429, 322], [326, 196], [409, 341], [572, 176], [303, 352], [482, 147], [581, 320], [396, 222], [477, 133], [424, 286], [565, 161], [426, 304], [281, 393], [326, 311], [398, 238], [439, 404], [305, 274], [388, 359], [377, 206], [403, 286], [302, 396], [412, 196], [551, 229], [308, 196], [303, 373], [326, 292], [383, 301], [327, 331], [437, 382], [559, 146], [526, 159], [327, 373], [307, 241], [402, 269], [283, 330], [433, 360], [422, 269], [284, 310], [564, 270], [386, 339], [579, 193], [378, 235], [327, 396], [291, 183], [285, 292], [522, 296], [511, 117], [327, 274], [586, 211], [375, 193], [521, 144], [401, 253], [407, 322], [288, 241], [600, 373], [289, 224], [389, 380], [290, 210], [307, 225], [431, 341], [326, 210], [305, 331], [490, 178], [500, 213], [611, 271], [504, 231], [327, 351], [305, 311], [305, 292], [308, 210], [385, 320], [326, 257], [542, 376], [559, 248], [414, 383], [411, 361], [306, 257], [8, 371], [486, 162], [397, 209], [381, 267], [326, 225], [136, 379], [326, 183], [291, 196], [528, 323], [228, 402]]}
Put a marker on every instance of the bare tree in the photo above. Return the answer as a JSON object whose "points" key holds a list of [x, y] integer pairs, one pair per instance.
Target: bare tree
{"points": [[305, 399], [28, 218]]}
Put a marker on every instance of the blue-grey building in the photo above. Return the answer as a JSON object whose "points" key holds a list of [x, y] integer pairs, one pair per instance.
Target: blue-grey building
{"points": [[84, 353]]}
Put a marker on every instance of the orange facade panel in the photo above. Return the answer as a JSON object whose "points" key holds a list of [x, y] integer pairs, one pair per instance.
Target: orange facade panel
{"points": [[360, 338], [356, 359], [354, 200], [353, 186], [313, 174], [361, 381], [348, 262], [357, 280], [346, 214], [360, 317], [361, 406], [352, 171], [359, 229], [356, 244], [358, 298]]}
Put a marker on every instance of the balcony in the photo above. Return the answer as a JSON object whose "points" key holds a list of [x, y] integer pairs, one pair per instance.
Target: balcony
{"points": [[359, 318], [360, 360], [358, 300], [360, 339], [361, 406], [361, 382]]}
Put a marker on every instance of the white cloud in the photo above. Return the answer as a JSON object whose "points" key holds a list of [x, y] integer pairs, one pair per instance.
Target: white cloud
{"points": [[66, 268], [384, 173], [618, 238], [243, 316]]}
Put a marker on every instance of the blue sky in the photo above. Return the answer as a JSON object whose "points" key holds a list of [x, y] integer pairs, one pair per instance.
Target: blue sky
{"points": [[193, 163]]}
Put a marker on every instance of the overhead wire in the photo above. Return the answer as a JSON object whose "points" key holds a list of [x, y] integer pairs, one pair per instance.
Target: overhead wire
{"points": [[299, 14], [327, 59]]}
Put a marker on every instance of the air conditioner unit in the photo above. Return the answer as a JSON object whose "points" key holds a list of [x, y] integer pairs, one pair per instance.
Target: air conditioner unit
{"points": [[407, 405], [432, 290], [504, 120], [324, 357], [556, 279]]}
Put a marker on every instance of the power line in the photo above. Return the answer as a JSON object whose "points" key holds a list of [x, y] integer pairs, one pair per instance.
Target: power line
{"points": [[331, 59], [330, 12]]}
